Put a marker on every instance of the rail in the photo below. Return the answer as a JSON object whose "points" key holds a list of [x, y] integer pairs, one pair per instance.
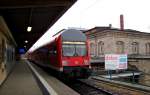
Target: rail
{"points": [[96, 90], [119, 88]]}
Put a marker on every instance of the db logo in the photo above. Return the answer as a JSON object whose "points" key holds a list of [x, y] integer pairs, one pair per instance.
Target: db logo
{"points": [[76, 62]]}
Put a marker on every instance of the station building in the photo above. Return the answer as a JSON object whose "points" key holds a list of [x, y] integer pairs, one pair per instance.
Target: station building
{"points": [[108, 40]]}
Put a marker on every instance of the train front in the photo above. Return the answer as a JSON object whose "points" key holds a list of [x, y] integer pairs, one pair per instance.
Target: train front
{"points": [[75, 54]]}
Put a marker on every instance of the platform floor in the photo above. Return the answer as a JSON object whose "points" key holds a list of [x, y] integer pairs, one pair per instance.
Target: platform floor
{"points": [[20, 82], [56, 84]]}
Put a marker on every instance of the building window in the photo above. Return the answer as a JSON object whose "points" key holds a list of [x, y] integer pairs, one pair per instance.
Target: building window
{"points": [[120, 47], [135, 48], [92, 49], [3, 50], [100, 48], [147, 46]]}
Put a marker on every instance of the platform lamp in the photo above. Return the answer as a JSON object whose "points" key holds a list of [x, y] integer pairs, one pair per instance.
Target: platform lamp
{"points": [[25, 46], [29, 28], [26, 41]]}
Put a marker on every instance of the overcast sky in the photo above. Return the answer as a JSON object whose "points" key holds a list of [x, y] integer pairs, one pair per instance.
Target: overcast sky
{"points": [[90, 13]]}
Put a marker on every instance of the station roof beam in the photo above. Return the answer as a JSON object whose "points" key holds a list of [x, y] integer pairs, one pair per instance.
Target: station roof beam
{"points": [[39, 14]]}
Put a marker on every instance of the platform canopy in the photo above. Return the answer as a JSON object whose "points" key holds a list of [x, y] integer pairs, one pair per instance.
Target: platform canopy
{"points": [[38, 14]]}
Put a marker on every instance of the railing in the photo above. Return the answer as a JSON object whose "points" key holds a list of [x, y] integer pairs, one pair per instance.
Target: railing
{"points": [[138, 56]]}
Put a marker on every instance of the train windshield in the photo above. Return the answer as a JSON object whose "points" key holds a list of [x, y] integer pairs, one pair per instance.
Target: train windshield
{"points": [[74, 50], [68, 50], [80, 50]]}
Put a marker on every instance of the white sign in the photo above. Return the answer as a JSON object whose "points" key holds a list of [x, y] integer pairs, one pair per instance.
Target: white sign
{"points": [[115, 61]]}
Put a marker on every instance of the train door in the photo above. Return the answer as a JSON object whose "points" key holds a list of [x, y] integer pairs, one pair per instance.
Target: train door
{"points": [[53, 55], [2, 60]]}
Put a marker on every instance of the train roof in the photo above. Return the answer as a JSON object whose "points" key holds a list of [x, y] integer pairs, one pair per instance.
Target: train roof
{"points": [[73, 35]]}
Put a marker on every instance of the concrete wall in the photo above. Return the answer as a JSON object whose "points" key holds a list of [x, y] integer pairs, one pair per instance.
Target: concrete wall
{"points": [[7, 50], [2, 63], [144, 66]]}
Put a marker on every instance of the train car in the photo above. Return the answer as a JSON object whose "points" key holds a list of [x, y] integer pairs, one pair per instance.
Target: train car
{"points": [[68, 54]]}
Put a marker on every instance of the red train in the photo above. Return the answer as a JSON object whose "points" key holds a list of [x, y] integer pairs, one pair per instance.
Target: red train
{"points": [[68, 54]]}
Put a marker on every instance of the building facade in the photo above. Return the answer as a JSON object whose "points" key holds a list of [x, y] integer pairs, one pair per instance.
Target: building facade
{"points": [[104, 40], [136, 44]]}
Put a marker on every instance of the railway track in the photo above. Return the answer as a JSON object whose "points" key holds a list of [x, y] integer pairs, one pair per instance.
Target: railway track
{"points": [[85, 89], [115, 89]]}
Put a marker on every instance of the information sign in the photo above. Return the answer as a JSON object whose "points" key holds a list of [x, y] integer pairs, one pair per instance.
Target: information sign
{"points": [[115, 61]]}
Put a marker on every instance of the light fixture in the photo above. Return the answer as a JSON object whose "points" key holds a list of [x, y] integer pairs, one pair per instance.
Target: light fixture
{"points": [[29, 28], [26, 41]]}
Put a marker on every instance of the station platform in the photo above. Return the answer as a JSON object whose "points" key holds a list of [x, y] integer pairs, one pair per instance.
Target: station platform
{"points": [[58, 87], [28, 79], [20, 82]]}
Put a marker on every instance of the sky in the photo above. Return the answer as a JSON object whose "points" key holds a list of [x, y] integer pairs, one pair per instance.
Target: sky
{"points": [[91, 13]]}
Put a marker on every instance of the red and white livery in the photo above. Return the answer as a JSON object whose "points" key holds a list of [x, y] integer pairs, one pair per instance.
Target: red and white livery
{"points": [[67, 54]]}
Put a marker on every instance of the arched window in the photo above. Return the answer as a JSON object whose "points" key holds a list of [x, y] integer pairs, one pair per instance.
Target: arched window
{"points": [[120, 47], [135, 48], [100, 48], [92, 49], [147, 46]]}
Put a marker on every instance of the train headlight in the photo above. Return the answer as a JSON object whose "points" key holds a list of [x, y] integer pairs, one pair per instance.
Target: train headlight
{"points": [[86, 62], [64, 62], [90, 67]]}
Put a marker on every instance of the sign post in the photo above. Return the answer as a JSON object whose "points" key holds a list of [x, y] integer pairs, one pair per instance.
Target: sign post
{"points": [[115, 62], [110, 74]]}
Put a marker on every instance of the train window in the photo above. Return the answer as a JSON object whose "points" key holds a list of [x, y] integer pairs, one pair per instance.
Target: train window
{"points": [[74, 50], [44, 50], [81, 50], [68, 50], [54, 50]]}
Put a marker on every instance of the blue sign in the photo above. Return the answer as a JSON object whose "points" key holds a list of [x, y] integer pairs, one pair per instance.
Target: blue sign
{"points": [[122, 62], [21, 50]]}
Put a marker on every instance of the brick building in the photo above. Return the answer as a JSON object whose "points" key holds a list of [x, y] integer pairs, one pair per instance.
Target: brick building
{"points": [[104, 40], [107, 40]]}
